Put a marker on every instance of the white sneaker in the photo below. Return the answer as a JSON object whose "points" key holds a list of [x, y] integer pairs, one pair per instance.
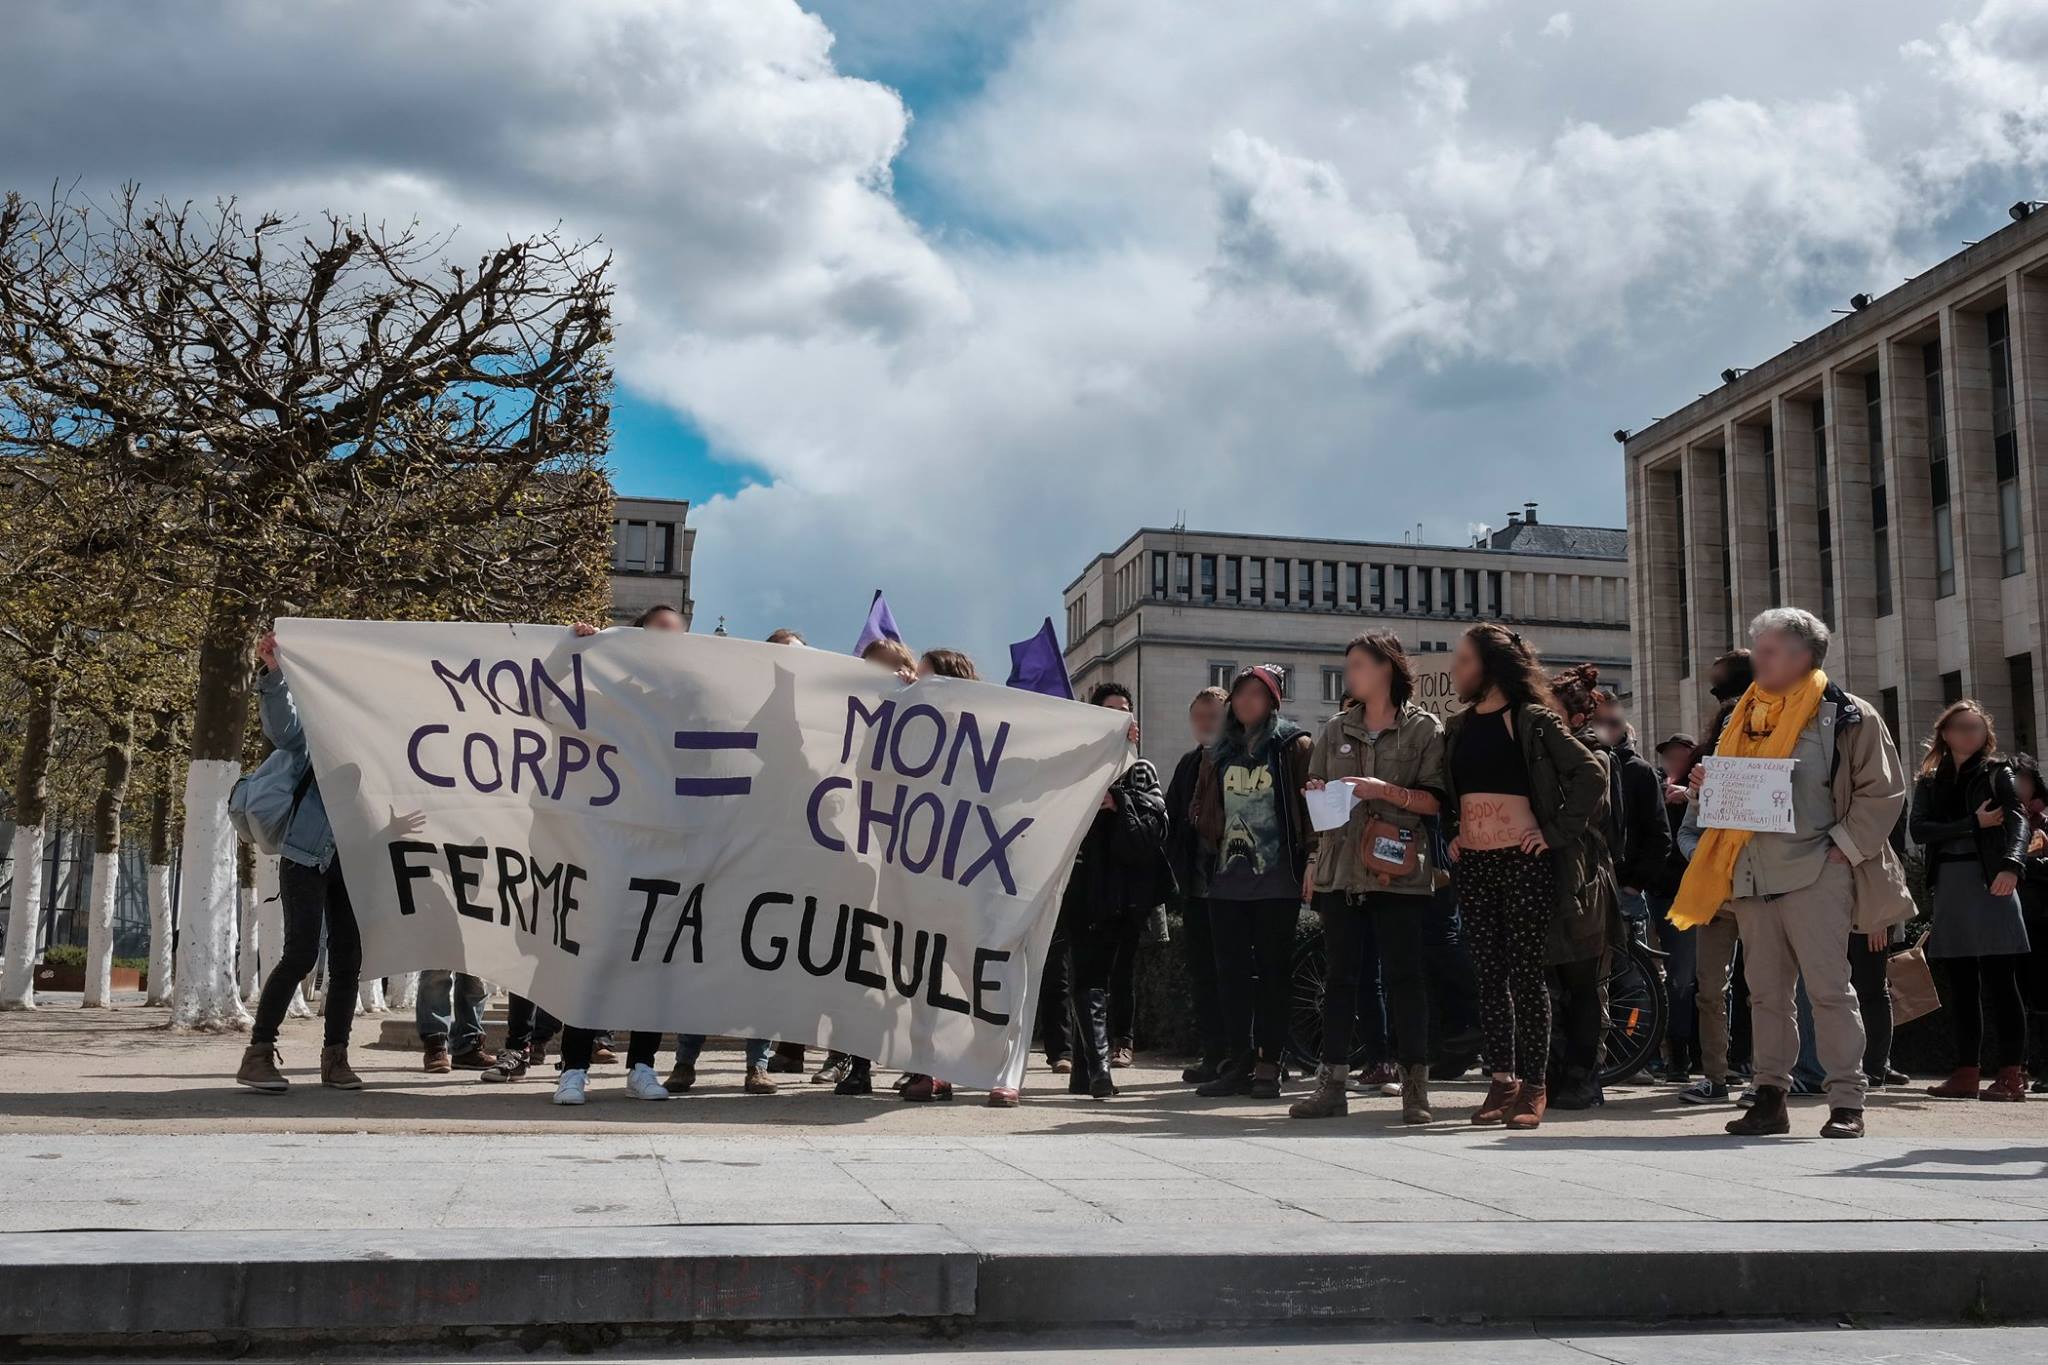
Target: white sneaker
{"points": [[643, 1084], [569, 1090]]}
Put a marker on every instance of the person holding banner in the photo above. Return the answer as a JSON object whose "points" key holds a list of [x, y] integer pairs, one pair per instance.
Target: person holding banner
{"points": [[314, 897], [1375, 877], [1798, 846], [1254, 825], [1967, 818]]}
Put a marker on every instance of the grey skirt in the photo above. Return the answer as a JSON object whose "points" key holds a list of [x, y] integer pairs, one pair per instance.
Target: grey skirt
{"points": [[1968, 920]]}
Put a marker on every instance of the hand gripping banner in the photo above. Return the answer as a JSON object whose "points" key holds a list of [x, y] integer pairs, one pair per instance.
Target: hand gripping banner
{"points": [[648, 830]]}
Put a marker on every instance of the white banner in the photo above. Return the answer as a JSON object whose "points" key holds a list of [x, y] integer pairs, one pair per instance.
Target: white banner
{"points": [[651, 830]]}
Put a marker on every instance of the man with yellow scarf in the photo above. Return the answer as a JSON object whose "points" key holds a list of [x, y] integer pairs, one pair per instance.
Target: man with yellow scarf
{"points": [[1798, 896]]}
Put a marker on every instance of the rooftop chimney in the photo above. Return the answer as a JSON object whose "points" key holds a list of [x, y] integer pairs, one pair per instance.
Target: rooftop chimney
{"points": [[1529, 513], [1514, 518]]}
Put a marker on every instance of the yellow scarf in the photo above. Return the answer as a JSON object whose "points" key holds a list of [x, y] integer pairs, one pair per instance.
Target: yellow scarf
{"points": [[1763, 725]]}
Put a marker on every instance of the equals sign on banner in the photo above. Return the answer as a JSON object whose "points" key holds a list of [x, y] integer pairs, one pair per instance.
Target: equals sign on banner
{"points": [[698, 740]]}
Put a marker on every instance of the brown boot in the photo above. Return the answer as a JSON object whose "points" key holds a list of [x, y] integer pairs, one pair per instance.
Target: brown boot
{"points": [[1500, 1098], [1843, 1123], [2009, 1084], [1530, 1107], [335, 1072], [758, 1081], [1415, 1094], [476, 1059], [1960, 1085], [259, 1069], [435, 1060], [1765, 1118], [1327, 1100]]}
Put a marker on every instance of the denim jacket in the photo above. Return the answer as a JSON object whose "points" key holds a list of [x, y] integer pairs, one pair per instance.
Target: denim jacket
{"points": [[309, 841]]}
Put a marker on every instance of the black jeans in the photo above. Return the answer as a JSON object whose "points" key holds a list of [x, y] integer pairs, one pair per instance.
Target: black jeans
{"points": [[1874, 1003], [1092, 951], [1400, 926], [1581, 1005], [1254, 973], [1123, 986], [1453, 983], [1198, 946], [1970, 986], [579, 1044], [528, 1025], [1054, 1020], [312, 898]]}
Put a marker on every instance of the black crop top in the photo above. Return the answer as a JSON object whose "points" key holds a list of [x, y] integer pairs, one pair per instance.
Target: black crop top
{"points": [[1488, 759]]}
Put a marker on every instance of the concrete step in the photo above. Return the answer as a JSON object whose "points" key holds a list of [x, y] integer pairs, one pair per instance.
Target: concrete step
{"points": [[156, 1289]]}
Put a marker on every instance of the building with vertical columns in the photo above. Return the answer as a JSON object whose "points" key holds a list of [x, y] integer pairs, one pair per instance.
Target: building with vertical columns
{"points": [[1884, 474], [651, 549], [1171, 611]]}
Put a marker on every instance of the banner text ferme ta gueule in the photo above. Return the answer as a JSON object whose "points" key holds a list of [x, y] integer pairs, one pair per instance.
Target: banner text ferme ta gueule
{"points": [[686, 832]]}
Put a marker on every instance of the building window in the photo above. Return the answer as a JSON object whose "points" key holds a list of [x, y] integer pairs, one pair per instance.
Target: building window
{"points": [[1220, 674], [1304, 583], [1425, 590], [1684, 597], [1888, 702], [1937, 472], [1158, 574], [2005, 449], [1077, 618], [629, 546], [1880, 513], [1233, 578], [1771, 553], [1183, 575], [1471, 592], [1823, 520], [1399, 573], [2019, 670], [1329, 598], [1208, 578], [1951, 688], [1351, 580], [1333, 685], [1255, 580], [1727, 603], [1493, 584], [1377, 577]]}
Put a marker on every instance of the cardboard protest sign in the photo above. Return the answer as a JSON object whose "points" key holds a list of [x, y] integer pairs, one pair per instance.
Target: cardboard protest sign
{"points": [[688, 833], [1748, 793]]}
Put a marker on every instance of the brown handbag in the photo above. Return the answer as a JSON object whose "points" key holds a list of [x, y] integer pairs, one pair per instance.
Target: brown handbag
{"points": [[1390, 852], [1911, 979]]}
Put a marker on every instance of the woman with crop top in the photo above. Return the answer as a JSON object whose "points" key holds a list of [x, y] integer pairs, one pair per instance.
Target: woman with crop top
{"points": [[1522, 794]]}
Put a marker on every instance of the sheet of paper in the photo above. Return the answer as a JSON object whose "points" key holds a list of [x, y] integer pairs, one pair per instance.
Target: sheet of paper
{"points": [[1332, 806], [1748, 793]]}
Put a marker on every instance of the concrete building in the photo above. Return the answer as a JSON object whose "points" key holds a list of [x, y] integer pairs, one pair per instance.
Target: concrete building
{"points": [[1171, 611], [1884, 474], [651, 549]]}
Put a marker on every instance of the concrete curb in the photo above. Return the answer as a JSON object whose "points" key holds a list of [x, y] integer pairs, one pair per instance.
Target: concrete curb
{"points": [[128, 1287]]}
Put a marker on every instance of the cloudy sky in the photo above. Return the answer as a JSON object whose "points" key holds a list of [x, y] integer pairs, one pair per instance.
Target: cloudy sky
{"points": [[944, 296]]}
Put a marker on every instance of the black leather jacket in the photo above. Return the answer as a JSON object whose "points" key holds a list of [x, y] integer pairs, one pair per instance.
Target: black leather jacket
{"points": [[1944, 810]]}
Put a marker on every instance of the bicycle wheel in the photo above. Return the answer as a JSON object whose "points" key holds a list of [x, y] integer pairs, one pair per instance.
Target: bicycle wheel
{"points": [[1637, 1010], [1305, 1005]]}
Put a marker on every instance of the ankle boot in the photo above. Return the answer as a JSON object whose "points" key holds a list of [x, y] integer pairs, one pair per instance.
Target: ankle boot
{"points": [[1961, 1085], [335, 1072], [2009, 1084], [259, 1069], [1530, 1106], [1415, 1094], [1235, 1078], [1493, 1110], [1091, 1040], [1766, 1118], [1327, 1100]]}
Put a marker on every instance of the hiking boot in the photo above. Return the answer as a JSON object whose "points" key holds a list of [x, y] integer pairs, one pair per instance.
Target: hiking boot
{"points": [[2009, 1084], [1233, 1078], [1122, 1052], [1415, 1094], [510, 1066], [1961, 1085], [1500, 1098], [681, 1079], [1327, 1100], [1265, 1081], [1765, 1118], [1843, 1123], [335, 1072], [259, 1069], [758, 1081], [475, 1059], [435, 1061], [1530, 1102]]}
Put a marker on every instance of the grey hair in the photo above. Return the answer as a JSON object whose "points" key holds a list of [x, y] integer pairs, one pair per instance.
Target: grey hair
{"points": [[1800, 624]]}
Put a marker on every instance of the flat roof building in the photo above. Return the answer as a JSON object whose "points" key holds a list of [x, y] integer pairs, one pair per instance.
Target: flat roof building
{"points": [[1883, 474], [1171, 611], [651, 548]]}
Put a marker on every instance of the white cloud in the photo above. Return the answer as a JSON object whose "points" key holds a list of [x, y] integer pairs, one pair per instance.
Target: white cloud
{"points": [[1558, 25]]}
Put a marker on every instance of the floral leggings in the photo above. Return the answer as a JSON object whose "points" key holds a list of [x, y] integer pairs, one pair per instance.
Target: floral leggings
{"points": [[1506, 898]]}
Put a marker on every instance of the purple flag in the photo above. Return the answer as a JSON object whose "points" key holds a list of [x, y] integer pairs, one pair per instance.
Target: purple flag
{"points": [[1036, 664], [880, 625]]}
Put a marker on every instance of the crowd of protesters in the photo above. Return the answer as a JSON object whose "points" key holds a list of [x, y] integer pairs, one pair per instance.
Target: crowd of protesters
{"points": [[1471, 902]]}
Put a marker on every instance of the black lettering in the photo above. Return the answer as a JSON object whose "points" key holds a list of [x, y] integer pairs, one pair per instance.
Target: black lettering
{"points": [[803, 945], [548, 879], [565, 906], [864, 920], [512, 876], [983, 986], [935, 984], [908, 989], [780, 944], [465, 881], [654, 888], [404, 873], [693, 915]]}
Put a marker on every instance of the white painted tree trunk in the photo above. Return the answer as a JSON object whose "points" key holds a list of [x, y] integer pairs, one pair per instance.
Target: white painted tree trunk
{"points": [[370, 995], [204, 995], [99, 933], [248, 971], [159, 935], [17, 979], [270, 931], [405, 991]]}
